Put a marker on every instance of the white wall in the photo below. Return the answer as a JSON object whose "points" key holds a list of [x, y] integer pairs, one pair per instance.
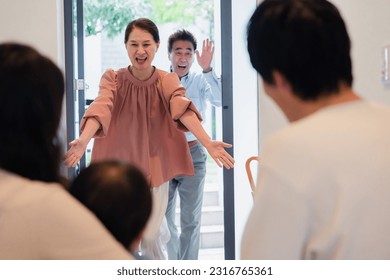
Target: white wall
{"points": [[37, 23], [368, 23], [245, 113]]}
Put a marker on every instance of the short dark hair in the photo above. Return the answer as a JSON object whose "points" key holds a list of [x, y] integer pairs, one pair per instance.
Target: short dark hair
{"points": [[306, 41], [181, 35], [118, 194], [31, 95], [144, 24]]}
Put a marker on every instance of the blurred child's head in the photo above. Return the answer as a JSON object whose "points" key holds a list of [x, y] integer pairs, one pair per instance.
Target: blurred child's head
{"points": [[119, 195]]}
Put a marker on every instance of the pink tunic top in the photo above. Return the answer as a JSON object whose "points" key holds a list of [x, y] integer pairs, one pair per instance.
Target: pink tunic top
{"points": [[140, 123]]}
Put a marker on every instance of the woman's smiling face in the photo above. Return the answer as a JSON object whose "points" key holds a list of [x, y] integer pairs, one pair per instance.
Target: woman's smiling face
{"points": [[141, 49]]}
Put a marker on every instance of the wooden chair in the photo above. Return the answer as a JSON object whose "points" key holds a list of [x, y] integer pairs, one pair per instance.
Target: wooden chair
{"points": [[249, 172]]}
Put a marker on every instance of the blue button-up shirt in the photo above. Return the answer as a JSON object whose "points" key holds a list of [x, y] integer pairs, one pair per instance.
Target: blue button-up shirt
{"points": [[200, 88]]}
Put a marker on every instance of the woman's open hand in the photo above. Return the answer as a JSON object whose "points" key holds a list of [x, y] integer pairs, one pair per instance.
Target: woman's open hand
{"points": [[217, 151], [74, 154]]}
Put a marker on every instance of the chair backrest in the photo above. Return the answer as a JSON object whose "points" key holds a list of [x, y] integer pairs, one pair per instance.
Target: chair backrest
{"points": [[249, 171]]}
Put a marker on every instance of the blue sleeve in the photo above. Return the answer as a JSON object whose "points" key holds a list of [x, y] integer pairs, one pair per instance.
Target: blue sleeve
{"points": [[214, 92]]}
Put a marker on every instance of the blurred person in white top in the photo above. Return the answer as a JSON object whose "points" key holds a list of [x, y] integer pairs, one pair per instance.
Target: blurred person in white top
{"points": [[324, 186], [38, 218]]}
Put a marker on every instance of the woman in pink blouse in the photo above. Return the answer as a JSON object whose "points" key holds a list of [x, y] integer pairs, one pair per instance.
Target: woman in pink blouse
{"points": [[140, 116]]}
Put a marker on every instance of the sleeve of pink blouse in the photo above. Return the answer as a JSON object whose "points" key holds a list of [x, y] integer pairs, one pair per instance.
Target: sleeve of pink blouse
{"points": [[101, 107], [174, 93]]}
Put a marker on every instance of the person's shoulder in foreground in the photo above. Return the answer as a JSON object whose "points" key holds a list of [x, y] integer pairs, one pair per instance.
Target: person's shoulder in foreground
{"points": [[323, 185], [42, 221]]}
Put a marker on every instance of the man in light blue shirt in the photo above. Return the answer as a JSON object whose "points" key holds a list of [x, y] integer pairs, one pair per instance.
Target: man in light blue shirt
{"points": [[200, 88]]}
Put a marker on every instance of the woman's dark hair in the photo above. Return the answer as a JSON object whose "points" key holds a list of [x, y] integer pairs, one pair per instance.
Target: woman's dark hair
{"points": [[118, 194], [306, 41], [181, 35], [144, 24], [31, 94]]}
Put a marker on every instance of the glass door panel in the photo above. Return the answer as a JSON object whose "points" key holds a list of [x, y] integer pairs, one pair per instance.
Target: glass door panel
{"points": [[102, 47]]}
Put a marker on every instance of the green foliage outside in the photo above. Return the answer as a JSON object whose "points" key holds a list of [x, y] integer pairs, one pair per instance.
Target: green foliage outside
{"points": [[112, 16]]}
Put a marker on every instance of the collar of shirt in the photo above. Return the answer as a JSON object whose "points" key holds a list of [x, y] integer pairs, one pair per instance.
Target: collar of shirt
{"points": [[186, 75]]}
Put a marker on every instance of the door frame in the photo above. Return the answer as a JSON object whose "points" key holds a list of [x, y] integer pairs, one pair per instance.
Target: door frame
{"points": [[74, 80], [75, 95]]}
